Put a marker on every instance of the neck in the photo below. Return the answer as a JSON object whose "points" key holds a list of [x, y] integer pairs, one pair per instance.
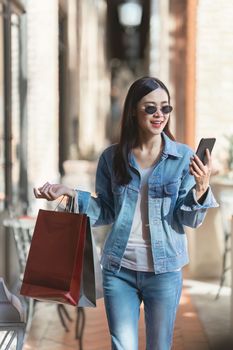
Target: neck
{"points": [[150, 143]]}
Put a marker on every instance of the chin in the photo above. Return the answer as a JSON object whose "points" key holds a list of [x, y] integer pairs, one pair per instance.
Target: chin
{"points": [[157, 131]]}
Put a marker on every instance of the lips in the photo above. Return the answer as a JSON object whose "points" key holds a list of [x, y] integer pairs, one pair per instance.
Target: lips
{"points": [[156, 123]]}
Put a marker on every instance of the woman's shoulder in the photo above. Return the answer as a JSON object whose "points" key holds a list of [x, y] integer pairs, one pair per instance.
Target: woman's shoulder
{"points": [[177, 148], [183, 148], [110, 150]]}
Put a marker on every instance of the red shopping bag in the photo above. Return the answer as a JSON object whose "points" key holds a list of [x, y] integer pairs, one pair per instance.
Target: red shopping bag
{"points": [[54, 269]]}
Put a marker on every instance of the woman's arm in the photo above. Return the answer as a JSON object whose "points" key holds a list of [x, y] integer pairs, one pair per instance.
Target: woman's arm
{"points": [[99, 208], [195, 195], [53, 191]]}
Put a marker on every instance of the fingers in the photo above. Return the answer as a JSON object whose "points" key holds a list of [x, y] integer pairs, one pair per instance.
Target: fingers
{"points": [[193, 172], [209, 160], [37, 194], [200, 171], [199, 162], [196, 166], [45, 192]]}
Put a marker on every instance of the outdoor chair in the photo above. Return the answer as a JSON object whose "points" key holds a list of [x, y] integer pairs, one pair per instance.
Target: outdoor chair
{"points": [[12, 319], [226, 211]]}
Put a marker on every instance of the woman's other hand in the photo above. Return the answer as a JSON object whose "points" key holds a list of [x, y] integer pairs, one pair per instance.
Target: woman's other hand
{"points": [[53, 191], [201, 173]]}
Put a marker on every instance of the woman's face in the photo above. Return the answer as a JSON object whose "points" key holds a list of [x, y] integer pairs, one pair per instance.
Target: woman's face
{"points": [[152, 124]]}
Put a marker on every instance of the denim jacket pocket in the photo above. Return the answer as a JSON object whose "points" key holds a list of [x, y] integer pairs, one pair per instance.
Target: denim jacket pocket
{"points": [[118, 194], [156, 191], [170, 192], [171, 188], [117, 189]]}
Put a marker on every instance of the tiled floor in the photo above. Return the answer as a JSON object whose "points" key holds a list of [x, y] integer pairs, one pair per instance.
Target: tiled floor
{"points": [[47, 333]]}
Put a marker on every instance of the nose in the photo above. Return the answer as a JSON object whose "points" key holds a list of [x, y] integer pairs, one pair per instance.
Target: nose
{"points": [[158, 113]]}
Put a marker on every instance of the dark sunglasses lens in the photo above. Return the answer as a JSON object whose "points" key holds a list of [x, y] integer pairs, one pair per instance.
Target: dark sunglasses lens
{"points": [[167, 109], [150, 109]]}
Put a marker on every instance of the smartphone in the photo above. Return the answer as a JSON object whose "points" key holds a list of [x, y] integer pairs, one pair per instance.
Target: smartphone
{"points": [[201, 149]]}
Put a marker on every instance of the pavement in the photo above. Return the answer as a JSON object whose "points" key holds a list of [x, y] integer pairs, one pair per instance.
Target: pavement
{"points": [[202, 323], [214, 315]]}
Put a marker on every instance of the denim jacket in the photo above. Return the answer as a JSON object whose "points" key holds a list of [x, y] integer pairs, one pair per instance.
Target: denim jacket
{"points": [[171, 205]]}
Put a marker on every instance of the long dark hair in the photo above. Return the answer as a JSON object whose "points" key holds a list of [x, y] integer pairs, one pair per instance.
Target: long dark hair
{"points": [[129, 128]]}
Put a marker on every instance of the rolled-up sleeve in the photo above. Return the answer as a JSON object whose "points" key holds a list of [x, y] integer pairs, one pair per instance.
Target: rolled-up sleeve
{"points": [[188, 210], [99, 208]]}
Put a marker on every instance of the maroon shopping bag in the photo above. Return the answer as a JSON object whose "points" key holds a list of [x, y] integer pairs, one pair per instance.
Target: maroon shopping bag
{"points": [[54, 268]]}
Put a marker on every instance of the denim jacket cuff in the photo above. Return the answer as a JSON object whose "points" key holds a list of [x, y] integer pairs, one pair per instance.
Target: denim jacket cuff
{"points": [[83, 199], [194, 193], [191, 202]]}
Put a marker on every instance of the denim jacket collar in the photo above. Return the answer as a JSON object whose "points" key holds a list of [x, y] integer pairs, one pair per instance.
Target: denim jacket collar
{"points": [[170, 147]]}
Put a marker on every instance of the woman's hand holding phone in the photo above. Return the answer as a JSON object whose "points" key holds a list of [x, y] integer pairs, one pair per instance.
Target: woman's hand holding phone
{"points": [[201, 165], [201, 173]]}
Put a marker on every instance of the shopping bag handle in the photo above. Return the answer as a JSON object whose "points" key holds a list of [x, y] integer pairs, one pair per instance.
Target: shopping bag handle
{"points": [[55, 209], [70, 204]]}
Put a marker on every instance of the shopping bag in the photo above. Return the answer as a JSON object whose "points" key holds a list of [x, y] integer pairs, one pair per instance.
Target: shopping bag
{"points": [[61, 265], [91, 262], [91, 272]]}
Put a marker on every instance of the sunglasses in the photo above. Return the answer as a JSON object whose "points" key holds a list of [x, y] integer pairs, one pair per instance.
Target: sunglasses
{"points": [[152, 109]]}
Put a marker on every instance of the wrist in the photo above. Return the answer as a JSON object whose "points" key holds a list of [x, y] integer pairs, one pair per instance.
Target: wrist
{"points": [[70, 192], [200, 191]]}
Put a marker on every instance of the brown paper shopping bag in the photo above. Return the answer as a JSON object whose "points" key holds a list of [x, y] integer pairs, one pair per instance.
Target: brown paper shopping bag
{"points": [[61, 265]]}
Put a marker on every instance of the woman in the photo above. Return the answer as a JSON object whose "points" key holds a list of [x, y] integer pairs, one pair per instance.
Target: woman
{"points": [[148, 187]]}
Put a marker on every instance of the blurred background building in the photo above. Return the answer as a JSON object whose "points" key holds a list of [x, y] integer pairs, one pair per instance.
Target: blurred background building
{"points": [[65, 67]]}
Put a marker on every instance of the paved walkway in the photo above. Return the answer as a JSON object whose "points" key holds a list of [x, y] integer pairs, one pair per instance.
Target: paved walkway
{"points": [[47, 333]]}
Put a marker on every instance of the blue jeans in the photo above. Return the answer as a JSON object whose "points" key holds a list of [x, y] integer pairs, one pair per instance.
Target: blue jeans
{"points": [[123, 294]]}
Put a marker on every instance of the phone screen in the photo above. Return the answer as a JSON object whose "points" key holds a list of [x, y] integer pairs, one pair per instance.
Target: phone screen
{"points": [[203, 145]]}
